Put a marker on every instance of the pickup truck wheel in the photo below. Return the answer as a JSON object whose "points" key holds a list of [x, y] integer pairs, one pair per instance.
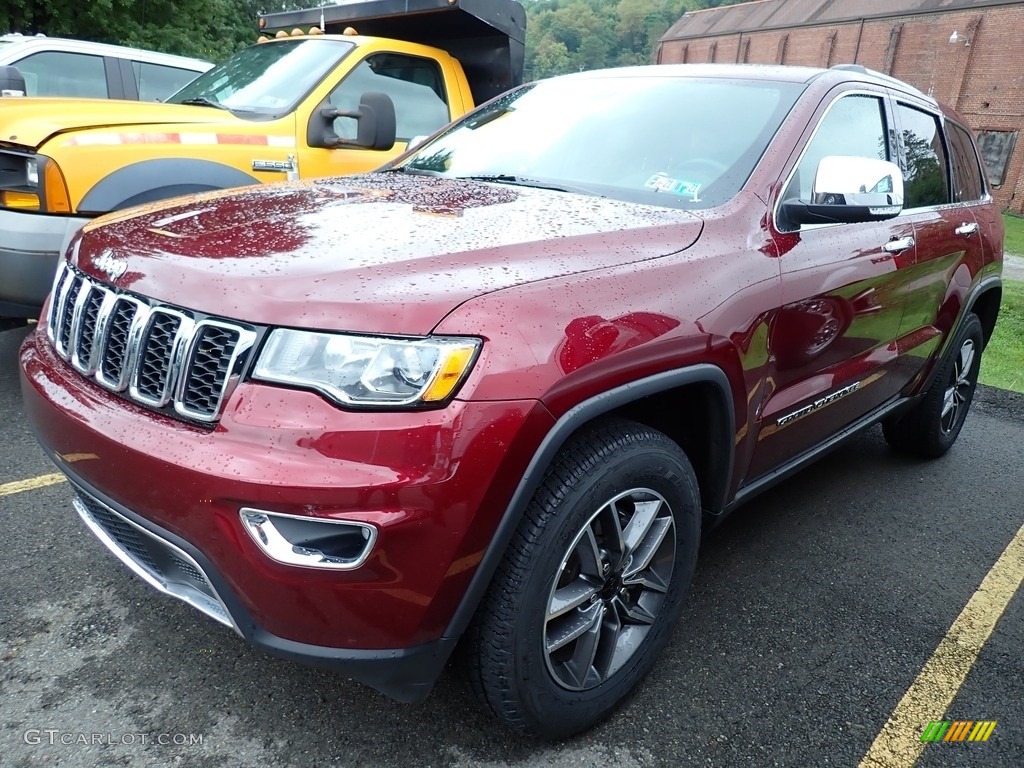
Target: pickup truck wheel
{"points": [[592, 583], [931, 427]]}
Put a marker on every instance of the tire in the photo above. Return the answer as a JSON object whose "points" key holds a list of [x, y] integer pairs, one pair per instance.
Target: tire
{"points": [[565, 572], [930, 428]]}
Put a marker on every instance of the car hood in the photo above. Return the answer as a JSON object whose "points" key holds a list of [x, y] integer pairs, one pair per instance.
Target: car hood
{"points": [[384, 253], [31, 122]]}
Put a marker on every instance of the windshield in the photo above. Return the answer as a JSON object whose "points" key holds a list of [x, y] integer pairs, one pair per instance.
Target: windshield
{"points": [[664, 140], [266, 79]]}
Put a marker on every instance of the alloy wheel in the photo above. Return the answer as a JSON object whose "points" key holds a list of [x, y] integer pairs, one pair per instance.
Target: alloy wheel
{"points": [[609, 589], [959, 388]]}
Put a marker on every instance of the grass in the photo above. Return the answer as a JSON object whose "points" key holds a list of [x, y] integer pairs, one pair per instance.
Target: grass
{"points": [[1003, 363], [1014, 233]]}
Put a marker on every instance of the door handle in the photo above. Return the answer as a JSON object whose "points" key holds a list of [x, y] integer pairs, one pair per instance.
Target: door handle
{"points": [[899, 245], [967, 229]]}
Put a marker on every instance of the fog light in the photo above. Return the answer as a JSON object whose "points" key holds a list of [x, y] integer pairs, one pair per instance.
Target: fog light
{"points": [[310, 542]]}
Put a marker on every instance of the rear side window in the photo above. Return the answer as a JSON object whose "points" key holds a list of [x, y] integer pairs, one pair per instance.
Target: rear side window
{"points": [[156, 82], [967, 179], [414, 85], [853, 127], [54, 73], [924, 158]]}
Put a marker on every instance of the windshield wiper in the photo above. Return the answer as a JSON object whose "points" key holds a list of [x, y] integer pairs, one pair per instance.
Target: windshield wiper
{"points": [[411, 170], [204, 101], [524, 181]]}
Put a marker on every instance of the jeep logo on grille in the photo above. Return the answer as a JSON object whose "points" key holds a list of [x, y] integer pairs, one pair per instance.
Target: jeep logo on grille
{"points": [[110, 265]]}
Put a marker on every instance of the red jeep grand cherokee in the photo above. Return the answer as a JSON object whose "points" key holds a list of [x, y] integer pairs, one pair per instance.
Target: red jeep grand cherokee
{"points": [[495, 391]]}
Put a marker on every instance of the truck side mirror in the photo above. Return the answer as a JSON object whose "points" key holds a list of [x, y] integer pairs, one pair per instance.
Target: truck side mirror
{"points": [[12, 82], [375, 124], [850, 190]]}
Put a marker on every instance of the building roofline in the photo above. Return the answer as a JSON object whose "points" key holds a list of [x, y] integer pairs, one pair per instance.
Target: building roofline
{"points": [[962, 5]]}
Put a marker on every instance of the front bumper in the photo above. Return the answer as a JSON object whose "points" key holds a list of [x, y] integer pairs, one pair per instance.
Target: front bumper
{"points": [[30, 246], [404, 674], [433, 484]]}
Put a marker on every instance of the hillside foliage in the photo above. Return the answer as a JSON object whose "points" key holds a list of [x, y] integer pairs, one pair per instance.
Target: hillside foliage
{"points": [[573, 35], [562, 35]]}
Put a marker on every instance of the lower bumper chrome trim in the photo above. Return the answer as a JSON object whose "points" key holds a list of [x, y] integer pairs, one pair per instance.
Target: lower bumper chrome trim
{"points": [[161, 564]]}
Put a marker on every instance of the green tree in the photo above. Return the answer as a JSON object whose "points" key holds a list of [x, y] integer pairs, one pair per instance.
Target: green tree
{"points": [[569, 35], [208, 29]]}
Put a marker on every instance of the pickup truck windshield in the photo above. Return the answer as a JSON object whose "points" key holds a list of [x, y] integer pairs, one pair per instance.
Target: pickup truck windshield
{"points": [[266, 80], [664, 140]]}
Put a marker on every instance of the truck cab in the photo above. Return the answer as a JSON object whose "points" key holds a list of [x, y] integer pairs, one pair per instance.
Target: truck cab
{"points": [[293, 106]]}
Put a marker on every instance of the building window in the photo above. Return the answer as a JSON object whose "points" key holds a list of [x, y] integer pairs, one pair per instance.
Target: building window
{"points": [[996, 150]]}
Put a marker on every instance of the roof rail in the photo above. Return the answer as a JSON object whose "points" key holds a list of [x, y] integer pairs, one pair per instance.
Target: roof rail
{"points": [[888, 79], [852, 68]]}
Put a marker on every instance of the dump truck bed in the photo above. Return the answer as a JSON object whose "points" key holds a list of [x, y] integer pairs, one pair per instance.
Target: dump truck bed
{"points": [[486, 36]]}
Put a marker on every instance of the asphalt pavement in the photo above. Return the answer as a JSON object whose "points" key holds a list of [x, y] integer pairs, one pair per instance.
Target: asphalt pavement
{"points": [[814, 609]]}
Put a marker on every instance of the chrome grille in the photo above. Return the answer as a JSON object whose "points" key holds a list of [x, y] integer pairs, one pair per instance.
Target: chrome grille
{"points": [[158, 356]]}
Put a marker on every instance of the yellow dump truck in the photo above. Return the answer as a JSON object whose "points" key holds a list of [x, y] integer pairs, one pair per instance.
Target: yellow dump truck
{"points": [[333, 90]]}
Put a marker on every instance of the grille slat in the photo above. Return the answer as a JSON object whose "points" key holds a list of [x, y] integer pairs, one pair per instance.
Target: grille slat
{"points": [[115, 343], [87, 333], [158, 356], [64, 328], [154, 374], [213, 349]]}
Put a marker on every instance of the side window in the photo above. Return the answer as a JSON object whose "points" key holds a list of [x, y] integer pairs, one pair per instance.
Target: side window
{"points": [[156, 82], [53, 73], [415, 86], [967, 178], [855, 127], [924, 161]]}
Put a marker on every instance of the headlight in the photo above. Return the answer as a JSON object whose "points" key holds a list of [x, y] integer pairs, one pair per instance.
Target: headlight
{"points": [[368, 370], [32, 172]]}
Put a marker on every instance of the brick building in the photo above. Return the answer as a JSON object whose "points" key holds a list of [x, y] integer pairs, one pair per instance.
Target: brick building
{"points": [[968, 54]]}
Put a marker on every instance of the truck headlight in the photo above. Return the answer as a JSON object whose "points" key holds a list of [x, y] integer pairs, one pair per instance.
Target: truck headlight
{"points": [[368, 370], [32, 172]]}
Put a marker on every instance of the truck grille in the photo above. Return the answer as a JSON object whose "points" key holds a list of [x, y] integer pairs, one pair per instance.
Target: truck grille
{"points": [[159, 356]]}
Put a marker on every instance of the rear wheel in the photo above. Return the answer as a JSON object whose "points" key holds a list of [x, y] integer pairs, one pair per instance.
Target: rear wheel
{"points": [[931, 427], [591, 584]]}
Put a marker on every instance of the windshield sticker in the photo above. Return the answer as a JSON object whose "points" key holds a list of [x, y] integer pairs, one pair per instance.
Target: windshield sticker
{"points": [[662, 182]]}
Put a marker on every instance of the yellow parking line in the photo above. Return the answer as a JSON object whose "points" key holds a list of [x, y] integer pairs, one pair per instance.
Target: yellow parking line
{"points": [[32, 483], [899, 744]]}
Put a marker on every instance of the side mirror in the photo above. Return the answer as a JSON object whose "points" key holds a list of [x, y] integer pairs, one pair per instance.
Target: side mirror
{"points": [[12, 82], [375, 124], [850, 190]]}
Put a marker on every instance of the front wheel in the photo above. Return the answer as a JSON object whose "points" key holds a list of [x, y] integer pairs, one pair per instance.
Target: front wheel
{"points": [[592, 583], [930, 428]]}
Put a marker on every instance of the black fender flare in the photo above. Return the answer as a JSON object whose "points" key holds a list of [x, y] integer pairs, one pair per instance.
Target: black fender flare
{"points": [[987, 283], [556, 437], [159, 179]]}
